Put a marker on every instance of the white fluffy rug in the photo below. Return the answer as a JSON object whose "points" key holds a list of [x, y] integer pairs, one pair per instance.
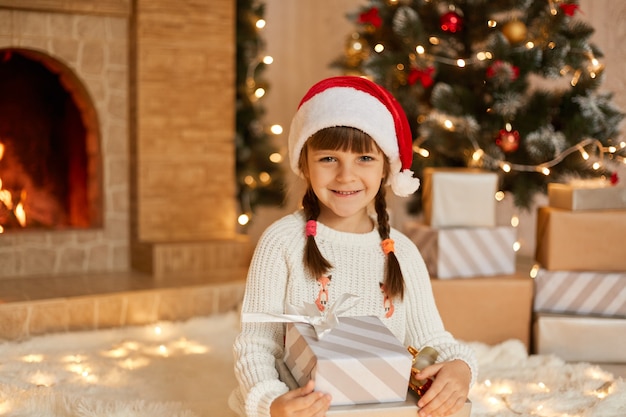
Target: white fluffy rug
{"points": [[185, 370]]}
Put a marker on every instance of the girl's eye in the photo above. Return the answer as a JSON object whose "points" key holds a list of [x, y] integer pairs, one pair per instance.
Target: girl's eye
{"points": [[327, 159], [367, 158]]}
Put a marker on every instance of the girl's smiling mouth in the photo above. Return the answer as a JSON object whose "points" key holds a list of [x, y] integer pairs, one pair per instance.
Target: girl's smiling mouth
{"points": [[346, 192]]}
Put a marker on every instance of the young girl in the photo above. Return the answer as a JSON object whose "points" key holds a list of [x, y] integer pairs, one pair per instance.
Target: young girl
{"points": [[348, 140]]}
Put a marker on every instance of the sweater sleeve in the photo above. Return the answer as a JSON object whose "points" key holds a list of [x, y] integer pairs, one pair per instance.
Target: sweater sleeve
{"points": [[424, 324], [259, 345]]}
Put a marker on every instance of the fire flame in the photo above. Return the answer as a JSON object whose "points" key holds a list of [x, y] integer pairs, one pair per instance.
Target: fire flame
{"points": [[7, 199]]}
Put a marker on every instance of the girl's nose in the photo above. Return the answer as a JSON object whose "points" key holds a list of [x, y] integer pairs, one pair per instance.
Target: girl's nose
{"points": [[345, 172]]}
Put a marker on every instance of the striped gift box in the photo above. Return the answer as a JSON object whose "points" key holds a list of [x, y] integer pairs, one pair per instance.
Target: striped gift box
{"points": [[463, 252], [593, 293], [358, 362]]}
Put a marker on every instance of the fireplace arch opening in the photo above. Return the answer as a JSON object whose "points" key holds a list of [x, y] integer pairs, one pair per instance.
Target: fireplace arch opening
{"points": [[50, 169]]}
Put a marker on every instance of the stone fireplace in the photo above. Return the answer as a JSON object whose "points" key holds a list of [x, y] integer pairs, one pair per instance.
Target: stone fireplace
{"points": [[143, 175]]}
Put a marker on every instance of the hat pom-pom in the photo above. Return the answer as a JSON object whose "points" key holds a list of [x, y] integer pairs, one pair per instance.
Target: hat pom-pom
{"points": [[404, 184]]}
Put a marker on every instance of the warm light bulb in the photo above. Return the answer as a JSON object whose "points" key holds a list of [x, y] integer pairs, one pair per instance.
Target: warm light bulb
{"points": [[514, 220], [265, 178], [478, 154], [163, 350], [420, 49], [259, 92], [517, 246], [460, 63], [421, 151], [276, 129], [448, 124], [260, 24], [268, 60], [243, 219], [545, 171], [276, 158], [379, 47], [499, 195], [534, 271], [506, 167], [596, 165]]}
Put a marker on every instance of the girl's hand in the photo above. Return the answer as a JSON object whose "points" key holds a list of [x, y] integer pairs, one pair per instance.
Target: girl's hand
{"points": [[449, 390], [301, 402]]}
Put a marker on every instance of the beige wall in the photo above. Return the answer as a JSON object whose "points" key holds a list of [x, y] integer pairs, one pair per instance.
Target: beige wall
{"points": [[304, 36]]}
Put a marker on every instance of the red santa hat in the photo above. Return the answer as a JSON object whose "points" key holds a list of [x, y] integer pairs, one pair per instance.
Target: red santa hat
{"points": [[360, 103]]}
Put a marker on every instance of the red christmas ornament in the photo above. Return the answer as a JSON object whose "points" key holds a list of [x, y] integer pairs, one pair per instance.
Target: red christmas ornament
{"points": [[569, 9], [451, 22], [424, 76], [371, 17], [500, 67], [508, 141], [614, 178]]}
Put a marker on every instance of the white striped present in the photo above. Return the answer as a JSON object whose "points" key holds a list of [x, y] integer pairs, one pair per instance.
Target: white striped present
{"points": [[358, 362], [463, 252], [597, 293]]}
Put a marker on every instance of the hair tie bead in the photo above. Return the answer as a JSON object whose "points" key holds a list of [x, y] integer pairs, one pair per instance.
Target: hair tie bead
{"points": [[387, 245], [311, 228]]}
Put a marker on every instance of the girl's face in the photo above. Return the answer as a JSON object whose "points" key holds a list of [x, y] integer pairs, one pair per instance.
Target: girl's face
{"points": [[345, 182]]}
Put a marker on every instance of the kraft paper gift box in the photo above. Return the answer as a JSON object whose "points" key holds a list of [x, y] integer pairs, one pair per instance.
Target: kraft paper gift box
{"points": [[463, 252], [459, 197], [581, 338], [581, 240], [587, 195], [406, 408], [499, 307], [360, 361], [586, 293]]}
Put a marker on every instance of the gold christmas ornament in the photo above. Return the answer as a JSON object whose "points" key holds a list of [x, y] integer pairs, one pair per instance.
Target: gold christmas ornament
{"points": [[515, 31]]}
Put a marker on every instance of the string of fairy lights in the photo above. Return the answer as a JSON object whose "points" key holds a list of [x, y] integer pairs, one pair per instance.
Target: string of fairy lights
{"points": [[518, 31], [590, 149], [255, 93]]}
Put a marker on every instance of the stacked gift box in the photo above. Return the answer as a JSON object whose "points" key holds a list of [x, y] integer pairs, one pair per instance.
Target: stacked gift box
{"points": [[580, 286], [459, 239]]}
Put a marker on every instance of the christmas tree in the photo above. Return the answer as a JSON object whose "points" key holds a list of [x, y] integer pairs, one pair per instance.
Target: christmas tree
{"points": [[505, 85], [260, 180]]}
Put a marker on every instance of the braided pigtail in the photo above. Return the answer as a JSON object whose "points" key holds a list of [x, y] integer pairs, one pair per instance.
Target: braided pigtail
{"points": [[394, 282], [313, 259]]}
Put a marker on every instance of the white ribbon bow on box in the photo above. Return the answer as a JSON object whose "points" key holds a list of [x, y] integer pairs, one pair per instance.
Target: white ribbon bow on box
{"points": [[322, 322]]}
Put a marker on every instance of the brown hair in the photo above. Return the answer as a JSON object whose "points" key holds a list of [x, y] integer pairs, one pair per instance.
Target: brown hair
{"points": [[348, 139]]}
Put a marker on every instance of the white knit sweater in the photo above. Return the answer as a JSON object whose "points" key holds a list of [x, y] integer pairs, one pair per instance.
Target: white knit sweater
{"points": [[277, 276]]}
